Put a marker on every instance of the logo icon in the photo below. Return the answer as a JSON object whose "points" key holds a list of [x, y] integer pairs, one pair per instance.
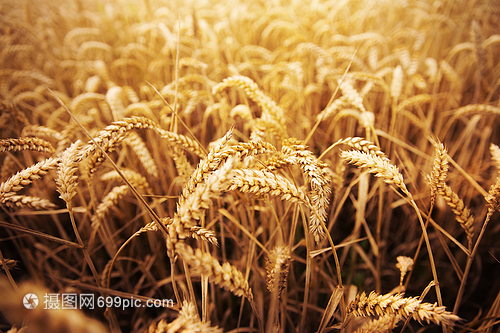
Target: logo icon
{"points": [[30, 301]]}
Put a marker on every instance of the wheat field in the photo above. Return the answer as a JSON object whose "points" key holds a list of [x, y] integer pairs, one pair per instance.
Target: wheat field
{"points": [[262, 166]]}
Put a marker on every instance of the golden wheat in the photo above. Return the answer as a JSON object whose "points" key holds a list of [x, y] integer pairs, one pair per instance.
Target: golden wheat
{"points": [[225, 275], [19, 144], [380, 166], [396, 305], [289, 80], [66, 179]]}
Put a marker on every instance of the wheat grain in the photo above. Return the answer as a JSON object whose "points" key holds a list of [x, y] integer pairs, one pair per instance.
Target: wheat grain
{"points": [[262, 182], [111, 136], [203, 234], [182, 141]]}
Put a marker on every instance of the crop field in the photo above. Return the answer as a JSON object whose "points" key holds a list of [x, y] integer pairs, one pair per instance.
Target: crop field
{"points": [[249, 166]]}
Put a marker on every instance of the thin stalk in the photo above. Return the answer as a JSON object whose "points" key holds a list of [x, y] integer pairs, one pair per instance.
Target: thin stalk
{"points": [[470, 259]]}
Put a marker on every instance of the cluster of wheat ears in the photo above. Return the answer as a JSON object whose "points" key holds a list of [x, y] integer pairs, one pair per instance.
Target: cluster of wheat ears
{"points": [[270, 166]]}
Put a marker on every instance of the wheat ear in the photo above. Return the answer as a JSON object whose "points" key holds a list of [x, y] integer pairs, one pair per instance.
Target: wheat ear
{"points": [[188, 321], [41, 132], [396, 305], [210, 163], [24, 201], [319, 177], [277, 268], [404, 264], [66, 179], [192, 207], [439, 170], [263, 182], [361, 144], [383, 324], [19, 144], [139, 147], [380, 166], [26, 176], [462, 213], [495, 155], [226, 276]]}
